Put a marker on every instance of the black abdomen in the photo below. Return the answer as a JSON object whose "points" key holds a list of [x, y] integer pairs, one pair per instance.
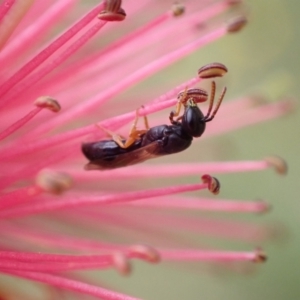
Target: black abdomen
{"points": [[105, 149]]}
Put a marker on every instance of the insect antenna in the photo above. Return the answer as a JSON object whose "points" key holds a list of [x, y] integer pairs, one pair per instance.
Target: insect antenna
{"points": [[209, 117], [211, 100], [183, 98]]}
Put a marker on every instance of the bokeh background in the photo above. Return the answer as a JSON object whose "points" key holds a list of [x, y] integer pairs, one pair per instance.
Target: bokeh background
{"points": [[263, 60]]}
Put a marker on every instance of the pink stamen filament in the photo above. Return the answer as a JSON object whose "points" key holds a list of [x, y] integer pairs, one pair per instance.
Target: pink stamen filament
{"points": [[174, 170], [49, 50], [174, 92], [51, 262], [80, 42], [138, 76], [112, 123], [70, 284], [259, 114], [209, 12], [30, 35], [52, 258], [19, 196], [190, 255], [118, 44], [53, 266], [205, 204], [88, 65], [99, 200], [30, 170], [238, 104], [11, 129], [153, 222], [31, 235], [43, 128], [12, 18], [252, 116], [5, 7]]}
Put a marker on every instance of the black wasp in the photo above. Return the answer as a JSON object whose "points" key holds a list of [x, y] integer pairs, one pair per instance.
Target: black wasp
{"points": [[160, 140]]}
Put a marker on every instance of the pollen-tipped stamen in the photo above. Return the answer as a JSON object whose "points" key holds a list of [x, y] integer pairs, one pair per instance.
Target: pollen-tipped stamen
{"points": [[53, 182], [177, 169], [121, 263], [71, 284], [212, 70], [278, 163], [41, 102], [223, 256], [236, 24], [112, 11], [48, 51], [212, 183], [141, 74], [70, 201], [144, 252], [206, 204]]}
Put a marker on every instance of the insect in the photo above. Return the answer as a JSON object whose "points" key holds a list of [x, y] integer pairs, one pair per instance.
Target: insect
{"points": [[142, 145]]}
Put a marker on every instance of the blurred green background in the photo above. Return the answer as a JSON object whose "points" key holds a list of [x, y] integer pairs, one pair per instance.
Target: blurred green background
{"points": [[263, 59]]}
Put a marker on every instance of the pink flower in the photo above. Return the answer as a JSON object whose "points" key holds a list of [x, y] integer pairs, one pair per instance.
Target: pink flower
{"points": [[57, 219]]}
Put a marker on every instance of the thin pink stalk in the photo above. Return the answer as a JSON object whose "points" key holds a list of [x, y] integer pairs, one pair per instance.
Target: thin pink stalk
{"points": [[43, 128], [29, 170], [258, 114], [48, 51], [174, 170], [12, 18], [241, 104], [209, 12], [138, 76], [70, 284], [59, 139], [208, 204], [18, 124], [53, 267], [56, 258], [174, 92], [31, 34], [118, 198], [22, 195], [121, 224], [30, 234], [117, 45], [154, 221], [252, 116], [49, 67], [196, 255], [86, 65], [5, 7]]}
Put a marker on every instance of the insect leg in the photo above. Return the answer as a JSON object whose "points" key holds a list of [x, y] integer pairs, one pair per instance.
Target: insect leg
{"points": [[133, 135], [181, 101], [116, 137], [146, 123], [175, 113]]}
